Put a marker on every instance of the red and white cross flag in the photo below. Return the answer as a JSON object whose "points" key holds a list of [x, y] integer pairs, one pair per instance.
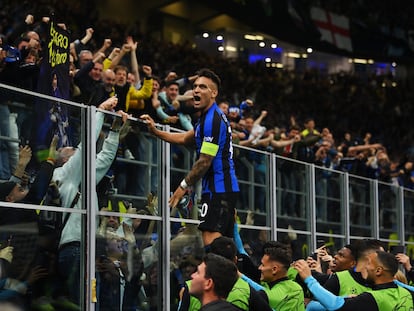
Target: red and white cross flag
{"points": [[334, 28]]}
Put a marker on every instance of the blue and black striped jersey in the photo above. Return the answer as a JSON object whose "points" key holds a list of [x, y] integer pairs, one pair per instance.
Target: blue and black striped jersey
{"points": [[213, 137]]}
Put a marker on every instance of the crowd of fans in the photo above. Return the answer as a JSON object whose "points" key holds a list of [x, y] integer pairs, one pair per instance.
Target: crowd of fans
{"points": [[305, 116], [341, 103]]}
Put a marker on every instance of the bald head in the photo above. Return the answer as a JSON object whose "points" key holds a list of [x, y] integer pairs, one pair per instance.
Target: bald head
{"points": [[108, 79]]}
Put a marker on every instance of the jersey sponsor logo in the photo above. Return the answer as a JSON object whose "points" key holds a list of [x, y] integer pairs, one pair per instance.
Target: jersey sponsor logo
{"points": [[208, 139]]}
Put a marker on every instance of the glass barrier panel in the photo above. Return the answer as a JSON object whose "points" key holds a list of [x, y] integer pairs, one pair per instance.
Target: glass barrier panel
{"points": [[127, 261], [360, 207], [134, 174], [253, 240], [252, 169], [181, 161], [47, 243], [300, 243], [409, 215], [292, 191], [329, 202], [186, 253], [389, 211]]}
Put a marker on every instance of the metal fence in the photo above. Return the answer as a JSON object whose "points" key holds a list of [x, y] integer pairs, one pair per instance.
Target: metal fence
{"points": [[280, 199]]}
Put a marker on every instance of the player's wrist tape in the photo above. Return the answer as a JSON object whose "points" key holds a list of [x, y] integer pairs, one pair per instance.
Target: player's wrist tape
{"points": [[184, 184]]}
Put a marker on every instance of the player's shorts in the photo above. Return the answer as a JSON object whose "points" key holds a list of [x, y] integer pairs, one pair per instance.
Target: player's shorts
{"points": [[217, 212]]}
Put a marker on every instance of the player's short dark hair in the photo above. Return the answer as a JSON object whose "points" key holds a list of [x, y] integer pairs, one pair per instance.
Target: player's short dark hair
{"points": [[279, 254], [222, 271], [388, 261], [362, 247], [210, 75], [224, 246]]}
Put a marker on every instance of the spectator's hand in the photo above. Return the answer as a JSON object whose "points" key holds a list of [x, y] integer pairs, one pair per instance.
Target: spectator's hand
{"points": [[62, 25], [147, 71], [126, 48], [131, 209], [25, 154], [107, 43], [192, 78], [128, 234], [33, 43], [52, 148], [36, 273], [118, 121], [175, 104], [115, 52], [109, 104], [154, 100], [313, 264], [152, 205], [7, 253], [124, 116], [250, 218], [149, 121], [171, 76], [326, 258], [404, 260], [302, 267], [172, 119], [89, 33], [29, 19], [263, 113], [293, 236], [98, 57], [46, 19], [131, 43], [103, 223], [408, 166]]}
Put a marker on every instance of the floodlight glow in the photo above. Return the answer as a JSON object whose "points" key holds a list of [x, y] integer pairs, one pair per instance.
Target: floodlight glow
{"points": [[231, 48], [360, 61], [250, 37], [293, 55]]}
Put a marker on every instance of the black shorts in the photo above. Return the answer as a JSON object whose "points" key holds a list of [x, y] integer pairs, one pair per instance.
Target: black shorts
{"points": [[217, 213]]}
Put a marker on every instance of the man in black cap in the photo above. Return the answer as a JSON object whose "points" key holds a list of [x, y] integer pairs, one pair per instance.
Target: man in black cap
{"points": [[11, 191]]}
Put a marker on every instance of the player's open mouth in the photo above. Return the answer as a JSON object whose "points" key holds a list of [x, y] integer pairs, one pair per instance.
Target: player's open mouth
{"points": [[196, 98]]}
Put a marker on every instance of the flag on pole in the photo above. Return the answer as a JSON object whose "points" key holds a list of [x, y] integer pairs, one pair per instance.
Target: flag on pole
{"points": [[334, 28]]}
